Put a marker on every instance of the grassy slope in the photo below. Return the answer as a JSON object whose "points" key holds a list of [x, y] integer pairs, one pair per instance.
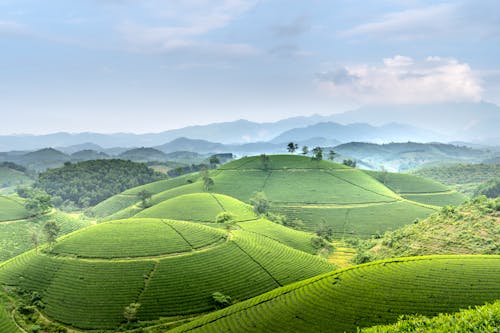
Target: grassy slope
{"points": [[92, 292], [7, 325], [472, 228], [484, 319], [15, 237], [362, 296], [11, 209], [10, 178], [463, 177], [199, 207]]}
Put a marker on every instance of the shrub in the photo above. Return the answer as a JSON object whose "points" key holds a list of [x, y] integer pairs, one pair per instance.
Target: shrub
{"points": [[224, 217], [220, 300]]}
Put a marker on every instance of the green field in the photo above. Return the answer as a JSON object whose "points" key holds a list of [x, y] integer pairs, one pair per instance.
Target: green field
{"points": [[407, 183], [363, 296], [15, 237], [12, 209], [7, 325], [296, 239], [438, 199], [170, 267], [484, 319], [144, 237], [199, 207]]}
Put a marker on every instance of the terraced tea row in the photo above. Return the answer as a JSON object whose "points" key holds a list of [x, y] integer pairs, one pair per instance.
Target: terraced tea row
{"points": [[91, 293], [437, 199], [144, 237], [11, 209], [363, 296]]}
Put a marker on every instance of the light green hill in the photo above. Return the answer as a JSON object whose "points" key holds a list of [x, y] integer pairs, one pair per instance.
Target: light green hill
{"points": [[170, 267], [199, 207], [12, 208], [363, 296]]}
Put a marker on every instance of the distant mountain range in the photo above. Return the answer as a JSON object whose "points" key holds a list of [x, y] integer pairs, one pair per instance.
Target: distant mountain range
{"points": [[470, 122]]}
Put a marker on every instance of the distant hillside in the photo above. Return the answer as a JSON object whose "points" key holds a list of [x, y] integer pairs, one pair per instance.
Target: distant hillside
{"points": [[357, 132], [409, 155], [471, 228], [192, 145], [86, 155], [143, 155], [11, 176], [87, 183], [463, 177]]}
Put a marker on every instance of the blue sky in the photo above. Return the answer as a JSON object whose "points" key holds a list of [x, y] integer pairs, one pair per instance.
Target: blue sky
{"points": [[151, 65]]}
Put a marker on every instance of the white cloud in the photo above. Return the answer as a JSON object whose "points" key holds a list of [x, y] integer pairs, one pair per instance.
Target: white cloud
{"points": [[401, 80], [478, 19], [184, 25]]}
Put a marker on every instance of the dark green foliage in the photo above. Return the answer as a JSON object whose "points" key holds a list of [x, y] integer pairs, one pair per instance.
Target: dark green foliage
{"points": [[292, 147], [264, 160], [38, 202], [224, 217], [88, 183], [490, 188], [260, 203], [350, 163], [145, 198], [317, 154], [220, 300], [51, 230], [305, 150], [130, 311]]}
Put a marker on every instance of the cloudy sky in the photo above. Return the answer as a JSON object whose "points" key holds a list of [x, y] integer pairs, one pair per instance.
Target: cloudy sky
{"points": [[151, 65]]}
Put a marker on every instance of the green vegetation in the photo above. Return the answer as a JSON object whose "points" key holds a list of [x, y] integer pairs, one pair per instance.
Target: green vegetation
{"points": [[144, 237], [12, 208], [87, 183], [490, 188], [437, 199], [12, 175], [15, 237], [407, 183], [463, 177], [171, 268], [485, 319], [7, 325], [363, 296], [199, 207], [472, 228]]}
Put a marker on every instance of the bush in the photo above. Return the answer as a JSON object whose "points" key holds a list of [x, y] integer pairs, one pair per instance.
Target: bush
{"points": [[220, 300], [224, 217]]}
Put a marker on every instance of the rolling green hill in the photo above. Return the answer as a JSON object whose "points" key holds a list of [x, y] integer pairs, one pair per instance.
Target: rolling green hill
{"points": [[362, 296], [199, 207], [170, 267], [484, 319], [15, 236], [350, 201], [10, 178], [12, 208], [471, 228]]}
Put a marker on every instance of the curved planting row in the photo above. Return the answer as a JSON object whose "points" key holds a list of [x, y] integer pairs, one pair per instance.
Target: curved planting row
{"points": [[142, 237], [296, 239], [363, 296], [11, 209], [437, 199], [406, 183]]}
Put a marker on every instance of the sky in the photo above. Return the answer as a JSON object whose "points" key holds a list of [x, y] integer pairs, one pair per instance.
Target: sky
{"points": [[150, 65]]}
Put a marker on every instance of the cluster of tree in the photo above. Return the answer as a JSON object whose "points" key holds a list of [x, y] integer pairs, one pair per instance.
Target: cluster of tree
{"points": [[37, 201], [13, 166], [182, 170], [87, 183], [490, 188], [317, 152]]}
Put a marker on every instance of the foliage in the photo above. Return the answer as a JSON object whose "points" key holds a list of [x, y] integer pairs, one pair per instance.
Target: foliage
{"points": [[349, 163], [145, 198], [51, 230], [485, 319], [292, 147], [317, 154], [490, 188], [220, 300], [331, 154], [363, 296], [305, 150], [214, 160], [471, 228], [38, 203], [260, 203], [88, 183], [264, 160], [208, 182], [130, 311], [224, 217]]}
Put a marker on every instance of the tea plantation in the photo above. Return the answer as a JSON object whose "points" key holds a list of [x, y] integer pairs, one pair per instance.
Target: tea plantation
{"points": [[362, 296]]}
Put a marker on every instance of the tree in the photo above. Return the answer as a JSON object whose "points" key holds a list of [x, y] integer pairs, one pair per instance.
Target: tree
{"points": [[130, 311], [224, 217], [35, 240], [51, 230], [214, 160], [305, 150], [350, 163], [207, 181], [145, 197], [264, 160], [324, 231], [38, 203], [331, 155], [260, 203], [220, 300], [317, 154], [292, 147]]}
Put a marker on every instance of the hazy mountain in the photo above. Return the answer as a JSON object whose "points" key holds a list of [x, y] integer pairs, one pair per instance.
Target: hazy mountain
{"points": [[88, 154], [357, 132], [80, 147], [143, 154], [477, 122], [409, 155], [192, 145]]}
